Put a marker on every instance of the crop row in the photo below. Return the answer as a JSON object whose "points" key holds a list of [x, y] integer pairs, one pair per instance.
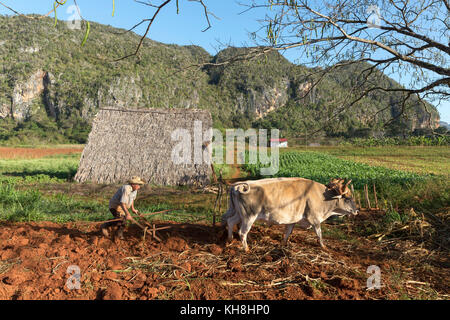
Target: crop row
{"points": [[322, 167]]}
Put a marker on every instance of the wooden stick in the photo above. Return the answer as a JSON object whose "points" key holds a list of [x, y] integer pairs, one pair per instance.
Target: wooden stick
{"points": [[137, 223], [154, 233], [375, 196], [113, 220], [122, 219], [215, 205], [143, 220], [218, 198], [163, 228], [359, 200], [366, 193], [220, 201], [152, 213], [145, 231]]}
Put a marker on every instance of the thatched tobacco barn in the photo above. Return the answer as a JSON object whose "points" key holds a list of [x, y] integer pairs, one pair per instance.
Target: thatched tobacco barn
{"points": [[125, 142]]}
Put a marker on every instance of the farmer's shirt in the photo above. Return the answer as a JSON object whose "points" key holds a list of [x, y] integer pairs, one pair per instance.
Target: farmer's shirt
{"points": [[125, 194]]}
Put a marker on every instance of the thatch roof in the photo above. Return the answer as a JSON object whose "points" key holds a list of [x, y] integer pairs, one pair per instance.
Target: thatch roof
{"points": [[125, 142]]}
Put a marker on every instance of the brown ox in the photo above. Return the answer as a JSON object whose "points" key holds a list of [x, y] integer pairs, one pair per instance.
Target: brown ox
{"points": [[286, 201]]}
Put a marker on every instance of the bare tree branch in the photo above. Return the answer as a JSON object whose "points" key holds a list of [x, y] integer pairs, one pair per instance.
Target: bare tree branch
{"points": [[141, 41]]}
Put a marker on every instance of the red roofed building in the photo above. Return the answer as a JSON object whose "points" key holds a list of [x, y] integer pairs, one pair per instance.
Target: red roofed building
{"points": [[280, 143]]}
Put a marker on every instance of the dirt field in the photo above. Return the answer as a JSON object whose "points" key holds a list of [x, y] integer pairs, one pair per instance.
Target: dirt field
{"points": [[193, 262], [34, 153]]}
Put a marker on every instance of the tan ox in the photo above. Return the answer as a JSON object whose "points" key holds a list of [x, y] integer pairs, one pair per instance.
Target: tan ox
{"points": [[286, 201]]}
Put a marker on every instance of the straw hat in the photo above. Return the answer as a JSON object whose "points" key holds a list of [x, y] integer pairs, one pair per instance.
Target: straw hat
{"points": [[136, 180]]}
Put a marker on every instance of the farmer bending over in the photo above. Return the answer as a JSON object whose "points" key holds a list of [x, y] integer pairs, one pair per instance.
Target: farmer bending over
{"points": [[119, 204]]}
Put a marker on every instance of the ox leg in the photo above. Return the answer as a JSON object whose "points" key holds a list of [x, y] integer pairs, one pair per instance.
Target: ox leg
{"points": [[318, 231], [243, 231], [287, 232], [232, 221]]}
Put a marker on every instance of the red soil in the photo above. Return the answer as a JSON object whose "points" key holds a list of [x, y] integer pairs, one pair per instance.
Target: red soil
{"points": [[191, 262], [32, 153]]}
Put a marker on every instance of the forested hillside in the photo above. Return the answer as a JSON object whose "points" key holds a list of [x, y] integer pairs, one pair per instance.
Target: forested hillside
{"points": [[51, 87]]}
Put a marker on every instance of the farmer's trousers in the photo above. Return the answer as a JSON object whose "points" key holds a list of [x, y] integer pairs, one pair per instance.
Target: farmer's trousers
{"points": [[118, 213]]}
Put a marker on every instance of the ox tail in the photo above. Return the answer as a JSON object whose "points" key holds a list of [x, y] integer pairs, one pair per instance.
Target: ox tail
{"points": [[233, 202], [243, 187], [231, 210]]}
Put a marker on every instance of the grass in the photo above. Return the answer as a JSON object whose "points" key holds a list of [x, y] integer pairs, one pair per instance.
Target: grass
{"points": [[416, 159], [32, 205], [39, 189], [53, 169]]}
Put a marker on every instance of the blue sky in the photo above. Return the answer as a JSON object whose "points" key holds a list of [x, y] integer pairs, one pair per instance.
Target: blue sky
{"points": [[231, 28]]}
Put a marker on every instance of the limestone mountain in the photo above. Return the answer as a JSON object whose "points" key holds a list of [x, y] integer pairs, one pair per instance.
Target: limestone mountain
{"points": [[51, 87]]}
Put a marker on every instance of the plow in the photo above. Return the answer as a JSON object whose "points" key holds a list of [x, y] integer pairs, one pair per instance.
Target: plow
{"points": [[145, 225]]}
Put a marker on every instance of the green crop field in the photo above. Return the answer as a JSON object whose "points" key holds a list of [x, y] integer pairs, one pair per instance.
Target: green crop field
{"points": [[418, 159], [43, 188], [57, 168], [395, 188], [321, 167]]}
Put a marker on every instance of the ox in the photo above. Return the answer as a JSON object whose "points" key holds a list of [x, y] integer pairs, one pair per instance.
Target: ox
{"points": [[287, 201]]}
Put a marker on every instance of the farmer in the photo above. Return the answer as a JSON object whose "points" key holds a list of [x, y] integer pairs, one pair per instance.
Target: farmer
{"points": [[119, 204]]}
